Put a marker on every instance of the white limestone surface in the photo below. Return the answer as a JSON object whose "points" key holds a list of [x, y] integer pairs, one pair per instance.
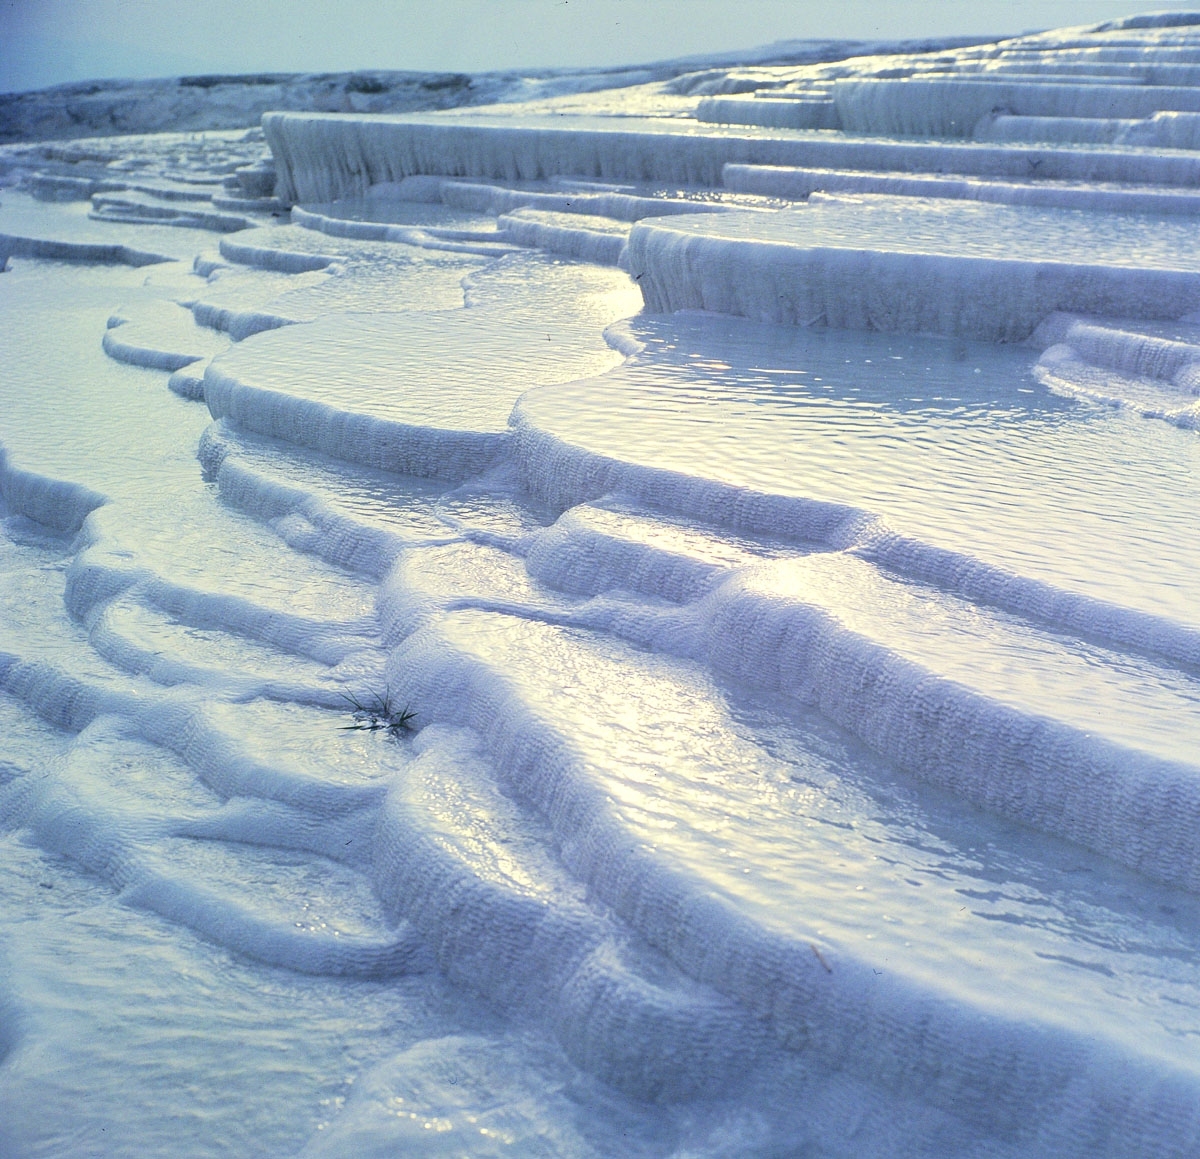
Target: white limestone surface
{"points": [[934, 266], [453, 705]]}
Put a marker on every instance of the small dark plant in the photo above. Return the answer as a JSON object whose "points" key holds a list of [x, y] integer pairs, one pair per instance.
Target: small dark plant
{"points": [[376, 713]]}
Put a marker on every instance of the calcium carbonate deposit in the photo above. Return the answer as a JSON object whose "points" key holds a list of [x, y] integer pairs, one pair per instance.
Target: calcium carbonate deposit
{"points": [[660, 622]]}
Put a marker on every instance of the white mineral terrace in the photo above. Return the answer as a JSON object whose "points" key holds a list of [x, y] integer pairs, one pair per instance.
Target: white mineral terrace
{"points": [[661, 622]]}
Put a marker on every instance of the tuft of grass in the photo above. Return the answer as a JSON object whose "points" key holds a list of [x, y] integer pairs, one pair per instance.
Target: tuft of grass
{"points": [[376, 713]]}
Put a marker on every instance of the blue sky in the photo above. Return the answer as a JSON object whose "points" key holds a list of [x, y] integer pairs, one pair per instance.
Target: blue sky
{"points": [[47, 41]]}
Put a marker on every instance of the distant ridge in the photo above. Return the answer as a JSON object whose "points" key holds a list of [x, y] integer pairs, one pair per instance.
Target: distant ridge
{"points": [[102, 108]]}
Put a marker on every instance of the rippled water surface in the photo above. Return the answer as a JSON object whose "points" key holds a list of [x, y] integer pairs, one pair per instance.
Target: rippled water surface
{"points": [[970, 229], [951, 441]]}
